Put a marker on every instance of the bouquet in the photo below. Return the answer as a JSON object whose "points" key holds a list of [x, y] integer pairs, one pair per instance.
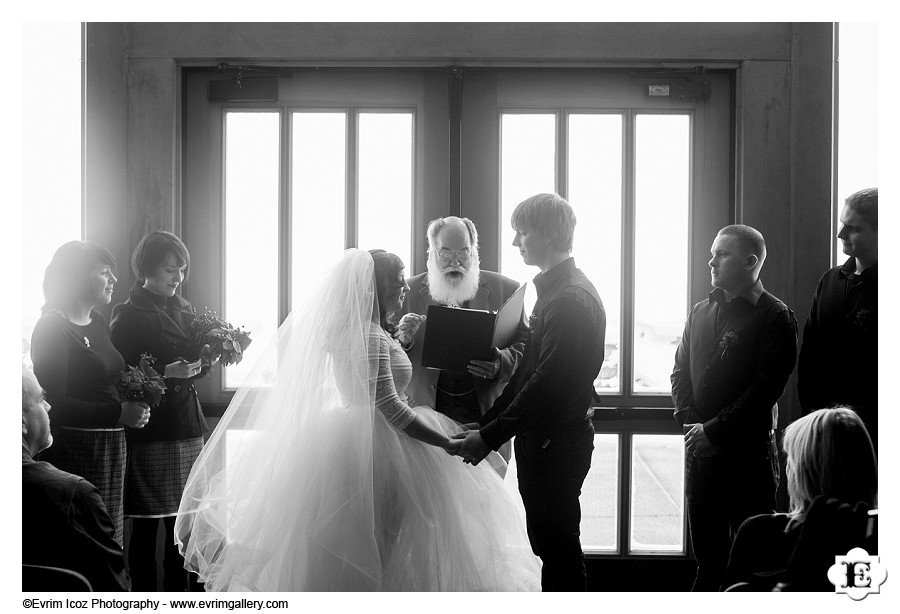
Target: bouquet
{"points": [[142, 383], [223, 339]]}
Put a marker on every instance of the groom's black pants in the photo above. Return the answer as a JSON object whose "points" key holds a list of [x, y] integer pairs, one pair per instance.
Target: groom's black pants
{"points": [[550, 479]]}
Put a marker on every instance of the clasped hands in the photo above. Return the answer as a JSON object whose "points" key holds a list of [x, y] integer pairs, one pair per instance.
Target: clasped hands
{"points": [[468, 444]]}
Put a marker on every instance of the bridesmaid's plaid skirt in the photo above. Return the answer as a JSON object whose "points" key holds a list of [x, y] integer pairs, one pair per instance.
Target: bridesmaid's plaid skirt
{"points": [[97, 455], [156, 475]]}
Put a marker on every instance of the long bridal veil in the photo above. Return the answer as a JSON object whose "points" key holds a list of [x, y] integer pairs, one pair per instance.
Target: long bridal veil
{"points": [[287, 474], [305, 486]]}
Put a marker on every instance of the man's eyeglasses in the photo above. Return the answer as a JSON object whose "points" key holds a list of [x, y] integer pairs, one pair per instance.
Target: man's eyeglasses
{"points": [[462, 256]]}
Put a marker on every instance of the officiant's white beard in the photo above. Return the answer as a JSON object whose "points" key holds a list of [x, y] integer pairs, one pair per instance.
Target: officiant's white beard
{"points": [[449, 289]]}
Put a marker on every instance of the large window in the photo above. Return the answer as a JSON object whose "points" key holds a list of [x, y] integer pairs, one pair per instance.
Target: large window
{"points": [[319, 228], [366, 159], [291, 184], [639, 348], [857, 129], [661, 179], [51, 154]]}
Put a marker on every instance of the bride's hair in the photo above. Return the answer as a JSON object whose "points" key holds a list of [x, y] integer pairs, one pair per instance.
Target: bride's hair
{"points": [[387, 267]]}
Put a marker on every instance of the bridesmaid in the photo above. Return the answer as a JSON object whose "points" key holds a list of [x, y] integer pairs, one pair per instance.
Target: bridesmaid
{"points": [[155, 320], [78, 367]]}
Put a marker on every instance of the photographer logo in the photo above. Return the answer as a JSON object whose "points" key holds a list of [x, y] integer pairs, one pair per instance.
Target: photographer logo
{"points": [[857, 574]]}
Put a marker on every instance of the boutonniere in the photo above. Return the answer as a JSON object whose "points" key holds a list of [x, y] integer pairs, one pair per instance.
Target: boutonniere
{"points": [[860, 318], [727, 341]]}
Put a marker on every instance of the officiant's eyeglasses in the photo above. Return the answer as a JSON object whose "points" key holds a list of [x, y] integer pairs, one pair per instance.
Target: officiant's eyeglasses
{"points": [[462, 256]]}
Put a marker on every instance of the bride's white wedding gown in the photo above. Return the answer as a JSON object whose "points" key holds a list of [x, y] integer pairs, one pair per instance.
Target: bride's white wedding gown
{"points": [[331, 494]]}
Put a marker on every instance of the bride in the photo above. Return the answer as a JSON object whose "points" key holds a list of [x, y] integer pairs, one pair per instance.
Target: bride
{"points": [[320, 477]]}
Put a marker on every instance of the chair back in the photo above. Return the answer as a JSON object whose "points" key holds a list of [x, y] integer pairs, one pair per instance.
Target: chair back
{"points": [[53, 579]]}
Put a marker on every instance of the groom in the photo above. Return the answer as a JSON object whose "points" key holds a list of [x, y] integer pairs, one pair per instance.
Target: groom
{"points": [[548, 410]]}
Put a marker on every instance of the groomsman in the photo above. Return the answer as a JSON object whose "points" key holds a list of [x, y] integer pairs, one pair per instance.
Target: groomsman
{"points": [[548, 411], [839, 356], [738, 349]]}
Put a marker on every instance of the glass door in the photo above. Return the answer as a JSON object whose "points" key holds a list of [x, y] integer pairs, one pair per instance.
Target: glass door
{"points": [[274, 191], [650, 179]]}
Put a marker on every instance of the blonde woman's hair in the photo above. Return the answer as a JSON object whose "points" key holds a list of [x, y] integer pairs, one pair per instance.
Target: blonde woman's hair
{"points": [[829, 452]]}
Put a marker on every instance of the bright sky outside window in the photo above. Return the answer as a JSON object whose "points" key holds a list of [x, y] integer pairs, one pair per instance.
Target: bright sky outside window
{"points": [[51, 205], [251, 230], [385, 183]]}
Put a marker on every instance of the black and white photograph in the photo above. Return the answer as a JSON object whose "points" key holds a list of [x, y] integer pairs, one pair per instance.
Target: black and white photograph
{"points": [[395, 300]]}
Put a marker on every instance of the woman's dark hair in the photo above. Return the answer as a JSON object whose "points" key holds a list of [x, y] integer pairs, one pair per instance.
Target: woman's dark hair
{"points": [[154, 250], [387, 267], [65, 278]]}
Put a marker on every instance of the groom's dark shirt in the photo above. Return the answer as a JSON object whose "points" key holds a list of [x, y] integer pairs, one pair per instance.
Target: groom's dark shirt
{"points": [[563, 354]]}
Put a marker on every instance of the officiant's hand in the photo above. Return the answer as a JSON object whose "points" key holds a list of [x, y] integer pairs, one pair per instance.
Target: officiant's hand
{"points": [[473, 449], [407, 327], [487, 369]]}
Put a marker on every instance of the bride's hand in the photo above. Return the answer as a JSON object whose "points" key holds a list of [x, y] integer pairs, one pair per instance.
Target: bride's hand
{"points": [[407, 327], [452, 446]]}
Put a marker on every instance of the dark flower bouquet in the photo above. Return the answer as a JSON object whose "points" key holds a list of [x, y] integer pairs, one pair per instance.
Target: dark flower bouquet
{"points": [[142, 383], [223, 339]]}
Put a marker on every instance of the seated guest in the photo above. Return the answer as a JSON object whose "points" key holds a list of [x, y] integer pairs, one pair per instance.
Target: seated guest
{"points": [[831, 528], [64, 521], [829, 455]]}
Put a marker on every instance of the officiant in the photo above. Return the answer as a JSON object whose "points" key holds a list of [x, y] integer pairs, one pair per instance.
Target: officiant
{"points": [[454, 278]]}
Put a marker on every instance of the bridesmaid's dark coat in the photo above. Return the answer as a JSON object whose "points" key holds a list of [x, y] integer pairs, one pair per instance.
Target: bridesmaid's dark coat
{"points": [[142, 325]]}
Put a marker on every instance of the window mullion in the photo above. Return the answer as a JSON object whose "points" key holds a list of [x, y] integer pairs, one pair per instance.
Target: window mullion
{"points": [[351, 238], [454, 123], [625, 488], [626, 342], [562, 153], [284, 217]]}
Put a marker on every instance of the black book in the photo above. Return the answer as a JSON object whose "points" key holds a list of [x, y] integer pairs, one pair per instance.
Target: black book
{"points": [[454, 336]]}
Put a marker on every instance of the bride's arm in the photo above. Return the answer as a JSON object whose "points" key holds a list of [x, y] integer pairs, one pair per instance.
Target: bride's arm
{"points": [[388, 402], [424, 433]]}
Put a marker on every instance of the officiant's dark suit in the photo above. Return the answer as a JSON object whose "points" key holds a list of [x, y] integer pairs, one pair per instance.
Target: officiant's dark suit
{"points": [[493, 290]]}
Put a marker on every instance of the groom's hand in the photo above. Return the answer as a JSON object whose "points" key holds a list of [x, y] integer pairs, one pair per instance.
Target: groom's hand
{"points": [[473, 449]]}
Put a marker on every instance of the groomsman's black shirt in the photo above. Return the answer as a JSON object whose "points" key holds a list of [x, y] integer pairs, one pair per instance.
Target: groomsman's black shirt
{"points": [[838, 362], [732, 365]]}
